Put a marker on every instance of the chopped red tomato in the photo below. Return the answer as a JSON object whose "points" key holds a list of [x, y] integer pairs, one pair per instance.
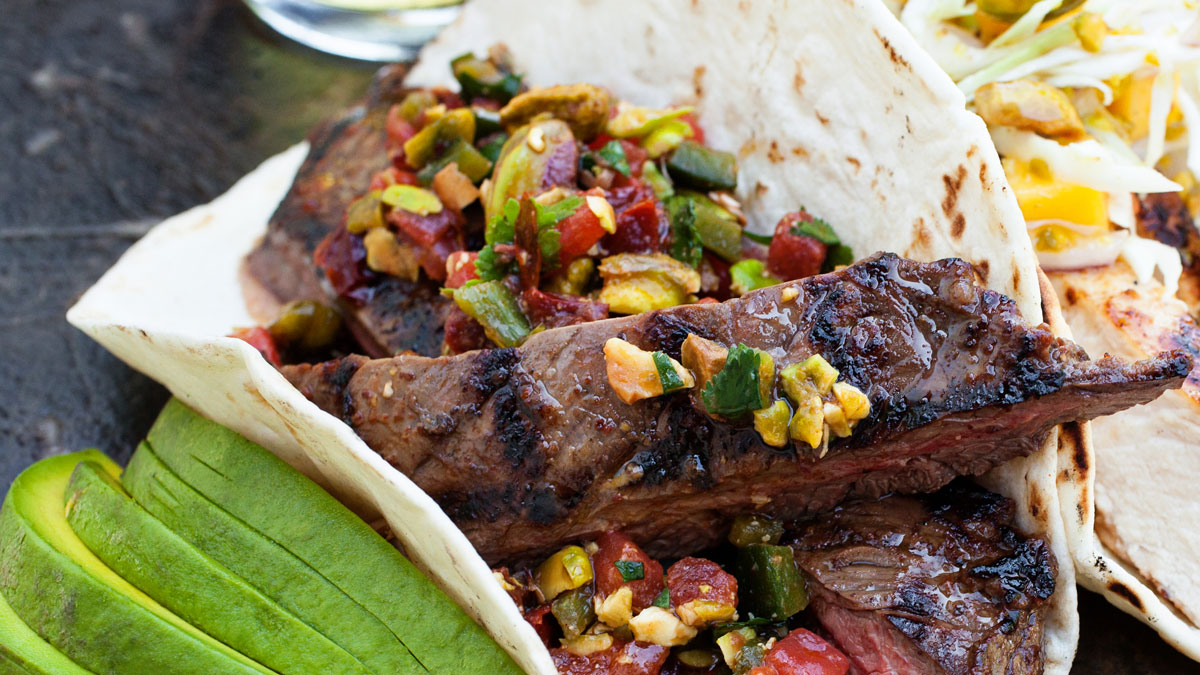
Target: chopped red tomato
{"points": [[694, 123], [398, 129], [794, 256], [615, 546], [436, 236], [462, 333], [539, 618], [460, 268], [636, 156], [578, 232], [599, 142], [640, 227], [343, 257], [392, 176], [260, 338], [554, 311], [448, 98], [804, 653], [629, 658], [692, 579]]}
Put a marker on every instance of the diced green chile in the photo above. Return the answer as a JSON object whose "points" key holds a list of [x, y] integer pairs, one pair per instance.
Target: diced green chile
{"points": [[663, 600], [454, 125], [718, 229], [658, 182], [491, 146], [574, 610], [632, 570], [686, 246], [702, 168], [481, 78], [496, 309], [748, 657], [755, 529], [671, 382], [470, 162], [769, 583], [486, 121], [415, 103], [749, 275], [306, 325]]}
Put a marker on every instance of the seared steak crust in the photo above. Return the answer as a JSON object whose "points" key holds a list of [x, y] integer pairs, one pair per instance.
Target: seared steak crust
{"points": [[932, 584], [345, 153], [529, 448]]}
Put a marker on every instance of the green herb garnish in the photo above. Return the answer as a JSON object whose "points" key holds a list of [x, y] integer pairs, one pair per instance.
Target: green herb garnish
{"points": [[734, 391], [663, 600], [685, 244], [764, 239], [837, 253], [614, 155], [666, 373], [631, 570]]}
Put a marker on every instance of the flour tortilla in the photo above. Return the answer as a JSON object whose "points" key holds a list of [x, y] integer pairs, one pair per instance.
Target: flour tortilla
{"points": [[828, 104], [1138, 545]]}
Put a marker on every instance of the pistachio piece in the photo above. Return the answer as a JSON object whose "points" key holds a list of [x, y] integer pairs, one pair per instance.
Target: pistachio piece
{"points": [[582, 106]]}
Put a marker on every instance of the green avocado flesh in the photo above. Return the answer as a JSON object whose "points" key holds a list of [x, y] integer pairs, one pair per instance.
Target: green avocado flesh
{"points": [[145, 553], [23, 651], [265, 565], [269, 496], [65, 594]]}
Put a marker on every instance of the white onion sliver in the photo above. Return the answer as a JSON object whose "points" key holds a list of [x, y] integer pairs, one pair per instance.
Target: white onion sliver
{"points": [[1121, 211], [1025, 26], [1191, 117]]}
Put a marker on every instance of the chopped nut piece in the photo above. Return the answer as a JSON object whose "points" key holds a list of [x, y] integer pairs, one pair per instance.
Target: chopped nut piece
{"points": [[454, 188], [659, 626], [617, 609], [699, 613], [588, 644], [835, 418], [808, 422], [603, 210], [387, 255], [772, 424], [631, 371], [704, 358], [536, 140]]}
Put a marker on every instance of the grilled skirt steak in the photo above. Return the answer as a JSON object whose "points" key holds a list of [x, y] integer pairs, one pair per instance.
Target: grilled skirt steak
{"points": [[529, 448], [932, 584], [346, 152]]}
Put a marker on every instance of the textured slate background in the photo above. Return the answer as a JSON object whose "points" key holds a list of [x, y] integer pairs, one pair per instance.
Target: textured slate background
{"points": [[116, 114]]}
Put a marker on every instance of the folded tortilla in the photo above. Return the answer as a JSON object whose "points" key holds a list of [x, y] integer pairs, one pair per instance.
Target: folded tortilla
{"points": [[829, 105]]}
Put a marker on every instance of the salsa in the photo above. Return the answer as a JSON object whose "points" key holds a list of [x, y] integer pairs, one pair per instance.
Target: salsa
{"points": [[608, 607], [546, 207]]}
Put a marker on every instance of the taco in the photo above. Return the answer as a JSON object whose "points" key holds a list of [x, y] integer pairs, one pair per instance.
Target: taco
{"points": [[1091, 105], [914, 174]]}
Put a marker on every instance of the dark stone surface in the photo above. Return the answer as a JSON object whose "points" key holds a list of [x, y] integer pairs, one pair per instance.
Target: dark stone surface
{"points": [[116, 114]]}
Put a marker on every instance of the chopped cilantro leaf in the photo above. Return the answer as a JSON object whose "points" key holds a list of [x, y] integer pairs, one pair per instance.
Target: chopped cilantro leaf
{"points": [[837, 255], [490, 269], [817, 229], [764, 239], [631, 570], [667, 374], [685, 244], [502, 228], [734, 391], [548, 218], [614, 155], [663, 600]]}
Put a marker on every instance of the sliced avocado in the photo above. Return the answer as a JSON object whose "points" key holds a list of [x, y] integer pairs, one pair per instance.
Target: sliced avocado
{"points": [[269, 495], [264, 564], [145, 553], [24, 651], [72, 600]]}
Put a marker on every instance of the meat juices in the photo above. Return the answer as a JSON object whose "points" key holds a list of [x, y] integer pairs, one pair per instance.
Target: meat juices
{"points": [[529, 448]]}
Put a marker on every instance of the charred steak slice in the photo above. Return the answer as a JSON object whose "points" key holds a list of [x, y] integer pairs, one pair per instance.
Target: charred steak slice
{"points": [[932, 584], [529, 448], [345, 153]]}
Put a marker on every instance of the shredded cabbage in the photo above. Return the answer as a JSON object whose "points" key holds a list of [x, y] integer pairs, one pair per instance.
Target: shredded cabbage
{"points": [[1145, 255], [1085, 163], [1162, 93], [1026, 25]]}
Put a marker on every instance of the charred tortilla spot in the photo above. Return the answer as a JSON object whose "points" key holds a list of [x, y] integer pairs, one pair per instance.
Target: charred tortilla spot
{"points": [[853, 162], [798, 78], [958, 226], [1073, 433], [774, 154], [953, 185], [822, 118], [1124, 592], [897, 60], [698, 80], [1072, 295], [982, 268]]}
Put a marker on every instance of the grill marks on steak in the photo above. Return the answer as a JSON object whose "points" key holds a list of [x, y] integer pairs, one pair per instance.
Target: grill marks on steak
{"points": [[345, 153], [529, 448], [932, 584]]}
